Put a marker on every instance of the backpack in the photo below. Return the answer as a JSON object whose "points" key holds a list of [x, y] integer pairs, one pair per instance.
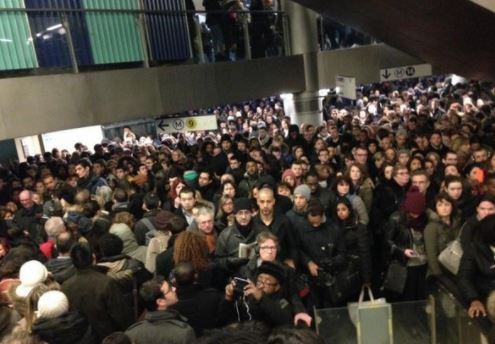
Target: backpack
{"points": [[151, 230]]}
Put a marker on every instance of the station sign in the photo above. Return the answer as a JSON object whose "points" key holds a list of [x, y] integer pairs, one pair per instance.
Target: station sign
{"points": [[185, 124], [405, 72]]}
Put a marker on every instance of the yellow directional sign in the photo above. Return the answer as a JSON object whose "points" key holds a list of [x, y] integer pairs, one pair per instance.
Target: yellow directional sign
{"points": [[185, 124]]}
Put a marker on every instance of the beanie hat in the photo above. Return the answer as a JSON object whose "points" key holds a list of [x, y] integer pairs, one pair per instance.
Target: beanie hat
{"points": [[242, 203], [31, 274], [415, 202], [272, 269], [190, 176], [163, 219], [52, 304], [304, 191], [288, 173]]}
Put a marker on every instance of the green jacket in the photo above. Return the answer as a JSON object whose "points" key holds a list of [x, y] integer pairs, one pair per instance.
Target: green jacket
{"points": [[437, 236]]}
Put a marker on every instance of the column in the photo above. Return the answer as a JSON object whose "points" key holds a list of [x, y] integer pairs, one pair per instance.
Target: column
{"points": [[304, 41]]}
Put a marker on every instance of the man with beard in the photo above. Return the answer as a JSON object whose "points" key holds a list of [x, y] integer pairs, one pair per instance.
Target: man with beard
{"points": [[242, 231]]}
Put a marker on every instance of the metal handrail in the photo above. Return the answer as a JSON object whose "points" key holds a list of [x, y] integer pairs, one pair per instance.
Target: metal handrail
{"points": [[136, 11], [140, 15]]}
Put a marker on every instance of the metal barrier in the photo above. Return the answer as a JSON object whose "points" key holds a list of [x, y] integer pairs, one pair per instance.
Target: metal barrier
{"points": [[441, 319], [74, 34]]}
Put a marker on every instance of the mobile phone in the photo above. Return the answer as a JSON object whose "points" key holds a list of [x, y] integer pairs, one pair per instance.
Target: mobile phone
{"points": [[240, 284]]}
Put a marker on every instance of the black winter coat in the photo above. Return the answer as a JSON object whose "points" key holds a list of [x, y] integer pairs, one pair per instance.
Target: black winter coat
{"points": [[323, 245], [199, 305], [289, 286], [282, 228], [387, 198], [100, 300], [477, 272], [357, 244], [398, 236], [69, 328], [272, 309]]}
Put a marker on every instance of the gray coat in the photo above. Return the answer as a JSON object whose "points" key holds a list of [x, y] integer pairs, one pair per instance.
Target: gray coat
{"points": [[159, 327], [228, 243]]}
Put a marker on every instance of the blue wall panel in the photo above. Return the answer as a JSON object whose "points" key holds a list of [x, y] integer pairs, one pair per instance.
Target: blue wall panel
{"points": [[168, 35], [50, 37]]}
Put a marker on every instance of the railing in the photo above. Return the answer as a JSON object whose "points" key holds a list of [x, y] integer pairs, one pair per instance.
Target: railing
{"points": [[441, 319], [101, 33]]}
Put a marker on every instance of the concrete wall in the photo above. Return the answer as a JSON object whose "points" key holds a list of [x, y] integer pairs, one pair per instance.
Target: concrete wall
{"points": [[363, 63], [40, 104]]}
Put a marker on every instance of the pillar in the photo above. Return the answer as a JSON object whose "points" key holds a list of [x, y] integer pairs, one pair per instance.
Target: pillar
{"points": [[304, 41]]}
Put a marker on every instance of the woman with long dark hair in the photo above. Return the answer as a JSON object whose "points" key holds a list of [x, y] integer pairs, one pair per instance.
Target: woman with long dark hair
{"points": [[356, 238], [443, 227]]}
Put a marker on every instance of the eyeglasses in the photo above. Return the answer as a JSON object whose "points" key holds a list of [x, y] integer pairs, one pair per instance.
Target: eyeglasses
{"points": [[261, 283], [271, 248]]}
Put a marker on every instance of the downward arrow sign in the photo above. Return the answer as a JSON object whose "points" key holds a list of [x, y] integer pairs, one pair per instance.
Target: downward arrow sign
{"points": [[386, 75]]}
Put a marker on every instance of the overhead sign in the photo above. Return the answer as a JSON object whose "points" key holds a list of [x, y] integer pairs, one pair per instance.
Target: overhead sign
{"points": [[405, 72], [345, 86], [185, 124]]}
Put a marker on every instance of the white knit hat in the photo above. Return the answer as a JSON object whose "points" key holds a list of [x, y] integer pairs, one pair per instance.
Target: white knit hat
{"points": [[31, 274], [52, 304]]}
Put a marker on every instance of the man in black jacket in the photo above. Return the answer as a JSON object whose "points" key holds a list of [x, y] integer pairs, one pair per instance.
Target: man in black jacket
{"points": [[151, 207], [87, 179], [198, 304], [242, 231], [62, 267], [278, 225], [262, 300], [28, 218], [95, 295]]}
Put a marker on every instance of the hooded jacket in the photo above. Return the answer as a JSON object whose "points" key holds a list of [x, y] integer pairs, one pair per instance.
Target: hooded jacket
{"points": [[166, 326], [61, 268], [69, 328], [131, 247]]}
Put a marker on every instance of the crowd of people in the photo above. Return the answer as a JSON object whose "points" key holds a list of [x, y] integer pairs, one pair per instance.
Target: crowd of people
{"points": [[237, 235]]}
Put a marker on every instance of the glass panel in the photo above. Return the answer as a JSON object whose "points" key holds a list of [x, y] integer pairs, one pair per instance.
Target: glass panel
{"points": [[267, 35], [453, 324], [410, 324], [92, 33]]}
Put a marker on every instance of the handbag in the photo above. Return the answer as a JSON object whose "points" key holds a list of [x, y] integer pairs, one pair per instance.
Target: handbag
{"points": [[353, 307], [451, 256], [395, 279], [345, 283]]}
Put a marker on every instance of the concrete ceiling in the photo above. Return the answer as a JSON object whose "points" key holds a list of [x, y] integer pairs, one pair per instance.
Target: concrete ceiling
{"points": [[456, 36]]}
